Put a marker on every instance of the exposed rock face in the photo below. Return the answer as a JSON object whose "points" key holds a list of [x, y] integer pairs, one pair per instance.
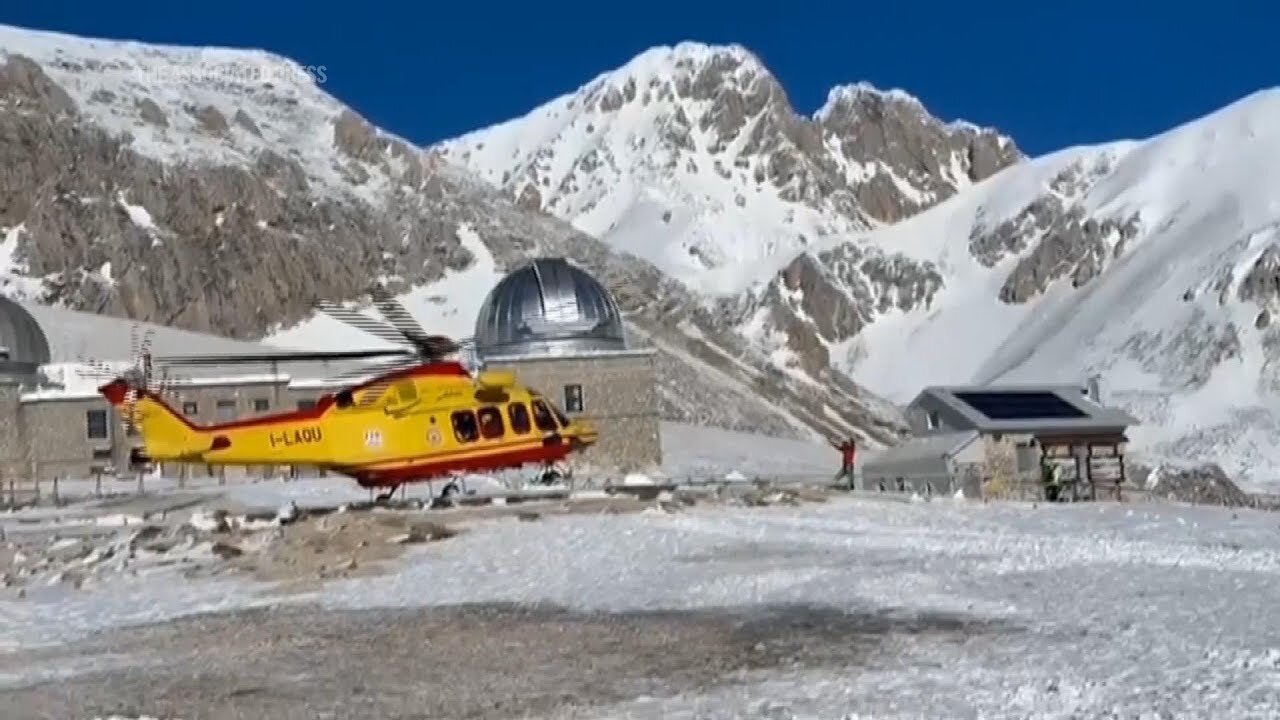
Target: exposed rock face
{"points": [[867, 156], [1064, 240], [237, 226], [894, 131], [226, 249]]}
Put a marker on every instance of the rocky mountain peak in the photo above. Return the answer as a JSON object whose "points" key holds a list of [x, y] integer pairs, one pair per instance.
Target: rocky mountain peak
{"points": [[910, 159], [694, 158]]}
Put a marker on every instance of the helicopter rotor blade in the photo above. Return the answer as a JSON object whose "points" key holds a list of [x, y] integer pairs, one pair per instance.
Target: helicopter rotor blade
{"points": [[430, 346], [281, 357], [396, 314], [362, 322]]}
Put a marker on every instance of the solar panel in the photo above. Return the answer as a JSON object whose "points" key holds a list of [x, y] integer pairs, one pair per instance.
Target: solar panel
{"points": [[1020, 405]]}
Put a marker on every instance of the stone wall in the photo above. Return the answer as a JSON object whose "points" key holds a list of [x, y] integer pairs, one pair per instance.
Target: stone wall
{"points": [[1003, 478], [13, 448], [620, 397], [48, 437], [58, 442]]}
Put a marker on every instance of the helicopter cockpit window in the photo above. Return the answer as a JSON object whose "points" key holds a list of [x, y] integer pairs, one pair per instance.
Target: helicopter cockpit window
{"points": [[490, 423], [542, 416], [519, 415], [464, 426], [564, 421], [344, 399]]}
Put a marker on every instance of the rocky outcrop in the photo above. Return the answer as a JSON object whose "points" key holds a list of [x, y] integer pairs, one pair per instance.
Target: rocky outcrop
{"points": [[829, 297], [1053, 236], [1204, 484], [227, 249], [894, 131]]}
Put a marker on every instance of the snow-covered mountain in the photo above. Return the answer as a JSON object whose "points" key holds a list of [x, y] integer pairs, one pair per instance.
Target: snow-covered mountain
{"points": [[769, 255], [223, 190], [1153, 264], [907, 251], [693, 158]]}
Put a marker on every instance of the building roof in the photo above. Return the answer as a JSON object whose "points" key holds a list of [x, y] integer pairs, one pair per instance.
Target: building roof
{"points": [[919, 455], [1027, 408], [23, 345], [548, 307], [82, 337]]}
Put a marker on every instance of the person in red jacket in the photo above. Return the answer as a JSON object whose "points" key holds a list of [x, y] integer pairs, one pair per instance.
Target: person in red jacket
{"points": [[848, 456]]}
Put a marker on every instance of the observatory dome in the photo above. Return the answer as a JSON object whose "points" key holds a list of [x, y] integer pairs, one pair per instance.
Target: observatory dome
{"points": [[23, 345], [548, 307]]}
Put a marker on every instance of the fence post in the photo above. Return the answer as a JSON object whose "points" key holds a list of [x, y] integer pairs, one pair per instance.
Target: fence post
{"points": [[97, 483], [55, 489]]}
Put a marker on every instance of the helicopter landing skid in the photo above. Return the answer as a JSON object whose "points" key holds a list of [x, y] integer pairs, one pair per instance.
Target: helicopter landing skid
{"points": [[386, 496]]}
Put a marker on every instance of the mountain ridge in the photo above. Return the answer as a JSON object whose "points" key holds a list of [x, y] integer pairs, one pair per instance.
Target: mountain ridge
{"points": [[184, 187], [872, 242], [986, 276]]}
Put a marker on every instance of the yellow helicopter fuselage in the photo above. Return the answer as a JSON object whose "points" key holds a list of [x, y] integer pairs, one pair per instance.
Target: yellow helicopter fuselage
{"points": [[415, 424]]}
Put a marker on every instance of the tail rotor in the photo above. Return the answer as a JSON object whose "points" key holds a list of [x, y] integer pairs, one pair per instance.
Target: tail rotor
{"points": [[137, 376]]}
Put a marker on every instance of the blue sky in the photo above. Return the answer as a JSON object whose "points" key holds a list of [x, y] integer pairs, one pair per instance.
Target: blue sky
{"points": [[1051, 75]]}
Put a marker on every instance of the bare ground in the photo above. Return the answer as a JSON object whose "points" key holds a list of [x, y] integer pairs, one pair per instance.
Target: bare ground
{"points": [[467, 662]]}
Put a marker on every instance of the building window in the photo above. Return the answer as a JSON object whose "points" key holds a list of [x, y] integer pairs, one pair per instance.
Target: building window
{"points": [[226, 410], [261, 404], [932, 420], [190, 408], [307, 404], [519, 415], [96, 422], [573, 398]]}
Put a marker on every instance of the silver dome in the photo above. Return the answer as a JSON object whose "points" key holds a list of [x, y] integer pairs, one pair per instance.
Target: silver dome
{"points": [[548, 307], [23, 345]]}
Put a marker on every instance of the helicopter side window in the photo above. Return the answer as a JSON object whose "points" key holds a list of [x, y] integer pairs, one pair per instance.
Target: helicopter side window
{"points": [[464, 426], [490, 423], [519, 415], [542, 416]]}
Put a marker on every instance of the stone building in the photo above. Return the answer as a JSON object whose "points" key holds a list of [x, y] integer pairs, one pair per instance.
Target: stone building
{"points": [[995, 441], [561, 332], [551, 323]]}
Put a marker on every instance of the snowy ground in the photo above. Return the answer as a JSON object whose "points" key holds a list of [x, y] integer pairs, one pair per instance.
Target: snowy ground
{"points": [[1094, 610]]}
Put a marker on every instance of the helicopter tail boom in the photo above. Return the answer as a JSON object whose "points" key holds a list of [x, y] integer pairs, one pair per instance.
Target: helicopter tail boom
{"points": [[165, 434], [170, 437]]}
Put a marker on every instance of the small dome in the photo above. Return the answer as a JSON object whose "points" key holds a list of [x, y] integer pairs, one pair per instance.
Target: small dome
{"points": [[548, 307], [23, 345]]}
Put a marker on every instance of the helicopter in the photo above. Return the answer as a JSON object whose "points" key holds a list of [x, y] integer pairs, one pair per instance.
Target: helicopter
{"points": [[418, 415]]}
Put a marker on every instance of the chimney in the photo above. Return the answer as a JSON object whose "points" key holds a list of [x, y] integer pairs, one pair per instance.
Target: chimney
{"points": [[1092, 389]]}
